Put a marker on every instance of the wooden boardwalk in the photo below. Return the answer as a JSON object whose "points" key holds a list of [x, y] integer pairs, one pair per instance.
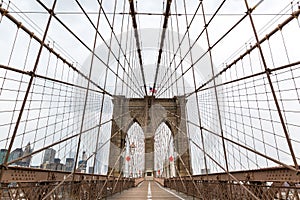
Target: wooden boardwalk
{"points": [[150, 190]]}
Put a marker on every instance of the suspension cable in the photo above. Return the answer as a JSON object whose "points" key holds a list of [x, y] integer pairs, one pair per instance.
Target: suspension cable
{"points": [[109, 48], [162, 41], [138, 44], [253, 47]]}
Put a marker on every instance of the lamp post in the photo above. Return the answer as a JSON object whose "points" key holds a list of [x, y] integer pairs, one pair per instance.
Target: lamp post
{"points": [[132, 148]]}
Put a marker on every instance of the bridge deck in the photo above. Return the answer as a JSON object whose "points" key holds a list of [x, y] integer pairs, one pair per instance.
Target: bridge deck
{"points": [[149, 190]]}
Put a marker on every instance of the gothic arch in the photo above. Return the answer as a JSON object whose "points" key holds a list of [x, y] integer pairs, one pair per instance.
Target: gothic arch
{"points": [[164, 150], [149, 113]]}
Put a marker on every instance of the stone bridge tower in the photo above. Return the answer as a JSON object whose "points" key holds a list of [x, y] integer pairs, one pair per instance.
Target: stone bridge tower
{"points": [[149, 113]]}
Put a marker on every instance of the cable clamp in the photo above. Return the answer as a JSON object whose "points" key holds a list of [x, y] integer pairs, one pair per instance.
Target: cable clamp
{"points": [[31, 73]]}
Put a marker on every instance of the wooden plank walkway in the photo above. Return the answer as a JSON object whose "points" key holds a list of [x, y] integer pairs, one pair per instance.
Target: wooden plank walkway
{"points": [[150, 190]]}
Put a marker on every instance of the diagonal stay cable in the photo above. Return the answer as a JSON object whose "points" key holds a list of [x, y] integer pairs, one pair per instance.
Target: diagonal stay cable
{"points": [[121, 49], [64, 139], [275, 99], [15, 69], [235, 143], [162, 41], [108, 46], [26, 30], [209, 156], [29, 86], [294, 15], [138, 45], [195, 87], [194, 43], [103, 96], [121, 38], [180, 43], [72, 173], [207, 51], [145, 13], [86, 46], [227, 172], [253, 47], [112, 170], [83, 118]]}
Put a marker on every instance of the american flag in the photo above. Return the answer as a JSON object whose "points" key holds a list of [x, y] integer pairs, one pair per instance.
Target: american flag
{"points": [[152, 90]]}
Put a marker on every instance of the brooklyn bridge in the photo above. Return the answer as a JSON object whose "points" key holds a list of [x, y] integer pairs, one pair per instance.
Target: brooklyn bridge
{"points": [[139, 99]]}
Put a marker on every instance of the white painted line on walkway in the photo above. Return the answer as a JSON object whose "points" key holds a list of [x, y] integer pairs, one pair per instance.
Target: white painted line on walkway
{"points": [[139, 185], [169, 191], [149, 191]]}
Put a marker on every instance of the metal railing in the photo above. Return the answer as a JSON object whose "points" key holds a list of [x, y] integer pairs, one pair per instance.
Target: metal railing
{"points": [[268, 183], [26, 183]]}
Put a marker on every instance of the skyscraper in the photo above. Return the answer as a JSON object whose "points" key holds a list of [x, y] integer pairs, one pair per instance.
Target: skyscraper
{"points": [[27, 151], [15, 154], [3, 153], [84, 156], [82, 164], [69, 164], [49, 156]]}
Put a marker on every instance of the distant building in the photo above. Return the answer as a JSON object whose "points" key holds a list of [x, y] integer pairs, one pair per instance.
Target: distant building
{"points": [[49, 156], [69, 164], [3, 153], [91, 169], [56, 160], [104, 169], [72, 154], [54, 166], [84, 156], [27, 151], [203, 171], [15, 154], [82, 166]]}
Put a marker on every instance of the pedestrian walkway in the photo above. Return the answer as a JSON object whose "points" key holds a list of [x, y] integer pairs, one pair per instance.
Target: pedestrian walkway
{"points": [[150, 190]]}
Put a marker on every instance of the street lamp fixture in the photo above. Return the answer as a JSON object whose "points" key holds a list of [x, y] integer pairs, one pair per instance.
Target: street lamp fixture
{"points": [[132, 148]]}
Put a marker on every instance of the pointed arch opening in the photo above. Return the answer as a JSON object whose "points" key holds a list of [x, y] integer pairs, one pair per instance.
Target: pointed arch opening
{"points": [[134, 165], [164, 152]]}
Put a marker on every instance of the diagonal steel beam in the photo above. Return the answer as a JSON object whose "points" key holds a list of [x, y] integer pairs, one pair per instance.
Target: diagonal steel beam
{"points": [[29, 86], [275, 98], [162, 39], [138, 46]]}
